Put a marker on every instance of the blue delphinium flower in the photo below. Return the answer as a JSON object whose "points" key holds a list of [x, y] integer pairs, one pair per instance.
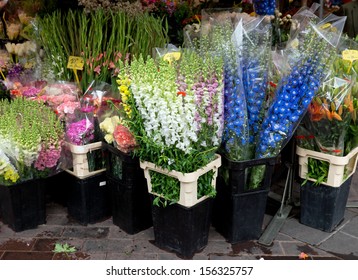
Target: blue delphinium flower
{"points": [[264, 7], [255, 61], [292, 97], [235, 137]]}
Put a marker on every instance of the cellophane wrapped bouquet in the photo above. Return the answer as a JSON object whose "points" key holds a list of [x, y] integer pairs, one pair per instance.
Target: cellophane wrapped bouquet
{"points": [[62, 97], [331, 117], [296, 90], [31, 139], [269, 120], [175, 111], [82, 126]]}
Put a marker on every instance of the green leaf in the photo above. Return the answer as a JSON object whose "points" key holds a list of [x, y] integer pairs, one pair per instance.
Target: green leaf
{"points": [[64, 248]]}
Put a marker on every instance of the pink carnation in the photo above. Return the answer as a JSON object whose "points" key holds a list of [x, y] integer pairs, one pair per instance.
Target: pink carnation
{"points": [[67, 108], [124, 139], [48, 157], [81, 132]]}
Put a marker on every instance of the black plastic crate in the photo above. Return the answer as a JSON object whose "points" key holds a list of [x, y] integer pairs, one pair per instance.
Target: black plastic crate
{"points": [[122, 167], [131, 205], [238, 211], [322, 207], [88, 199], [57, 187], [23, 206], [183, 230]]}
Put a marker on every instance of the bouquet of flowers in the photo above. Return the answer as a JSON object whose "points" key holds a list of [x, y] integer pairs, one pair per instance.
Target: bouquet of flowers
{"points": [[264, 7], [63, 98], [118, 134], [31, 139], [255, 64], [329, 115], [81, 131], [218, 37], [271, 121], [175, 111]]}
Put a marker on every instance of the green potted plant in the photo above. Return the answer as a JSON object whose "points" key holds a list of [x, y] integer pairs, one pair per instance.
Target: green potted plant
{"points": [[328, 160], [174, 110]]}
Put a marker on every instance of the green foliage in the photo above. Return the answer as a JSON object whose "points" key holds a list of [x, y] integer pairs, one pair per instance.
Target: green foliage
{"points": [[100, 37], [64, 248], [169, 187], [318, 170]]}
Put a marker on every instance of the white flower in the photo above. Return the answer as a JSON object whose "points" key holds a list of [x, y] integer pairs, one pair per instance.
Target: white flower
{"points": [[10, 47]]}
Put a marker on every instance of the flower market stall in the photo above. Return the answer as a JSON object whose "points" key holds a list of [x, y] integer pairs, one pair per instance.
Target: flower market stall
{"points": [[174, 115]]}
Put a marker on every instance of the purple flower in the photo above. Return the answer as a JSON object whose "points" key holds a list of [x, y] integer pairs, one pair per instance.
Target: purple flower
{"points": [[81, 132]]}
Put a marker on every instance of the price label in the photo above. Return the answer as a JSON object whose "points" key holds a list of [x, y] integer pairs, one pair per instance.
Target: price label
{"points": [[350, 55], [171, 56], [75, 62]]}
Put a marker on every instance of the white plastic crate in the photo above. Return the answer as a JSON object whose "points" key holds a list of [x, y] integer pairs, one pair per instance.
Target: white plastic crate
{"points": [[80, 160], [188, 181], [338, 166]]}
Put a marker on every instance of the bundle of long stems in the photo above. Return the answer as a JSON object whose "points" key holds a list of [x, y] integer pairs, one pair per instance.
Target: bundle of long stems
{"points": [[100, 38]]}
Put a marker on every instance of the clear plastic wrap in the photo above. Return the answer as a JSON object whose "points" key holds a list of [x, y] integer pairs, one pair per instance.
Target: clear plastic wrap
{"points": [[293, 96], [31, 140], [62, 97], [264, 7], [96, 98], [304, 138], [169, 53], [329, 115], [221, 38], [255, 60], [80, 130]]}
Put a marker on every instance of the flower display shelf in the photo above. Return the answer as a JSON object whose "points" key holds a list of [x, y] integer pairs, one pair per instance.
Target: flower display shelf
{"points": [[80, 159], [180, 229], [340, 168], [131, 206], [88, 199], [23, 206], [188, 181], [238, 211], [322, 207]]}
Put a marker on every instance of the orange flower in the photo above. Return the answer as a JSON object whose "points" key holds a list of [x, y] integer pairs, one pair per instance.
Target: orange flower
{"points": [[349, 103], [316, 111], [182, 93], [336, 116]]}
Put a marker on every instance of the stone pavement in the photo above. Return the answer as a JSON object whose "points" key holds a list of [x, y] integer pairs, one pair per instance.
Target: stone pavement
{"points": [[105, 241]]}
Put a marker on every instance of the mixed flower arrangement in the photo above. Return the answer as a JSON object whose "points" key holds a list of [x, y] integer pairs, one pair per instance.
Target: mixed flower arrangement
{"points": [[175, 112], [31, 138]]}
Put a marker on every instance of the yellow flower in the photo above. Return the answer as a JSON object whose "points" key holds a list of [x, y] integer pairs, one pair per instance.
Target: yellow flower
{"points": [[124, 98], [123, 88], [11, 175], [109, 138]]}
